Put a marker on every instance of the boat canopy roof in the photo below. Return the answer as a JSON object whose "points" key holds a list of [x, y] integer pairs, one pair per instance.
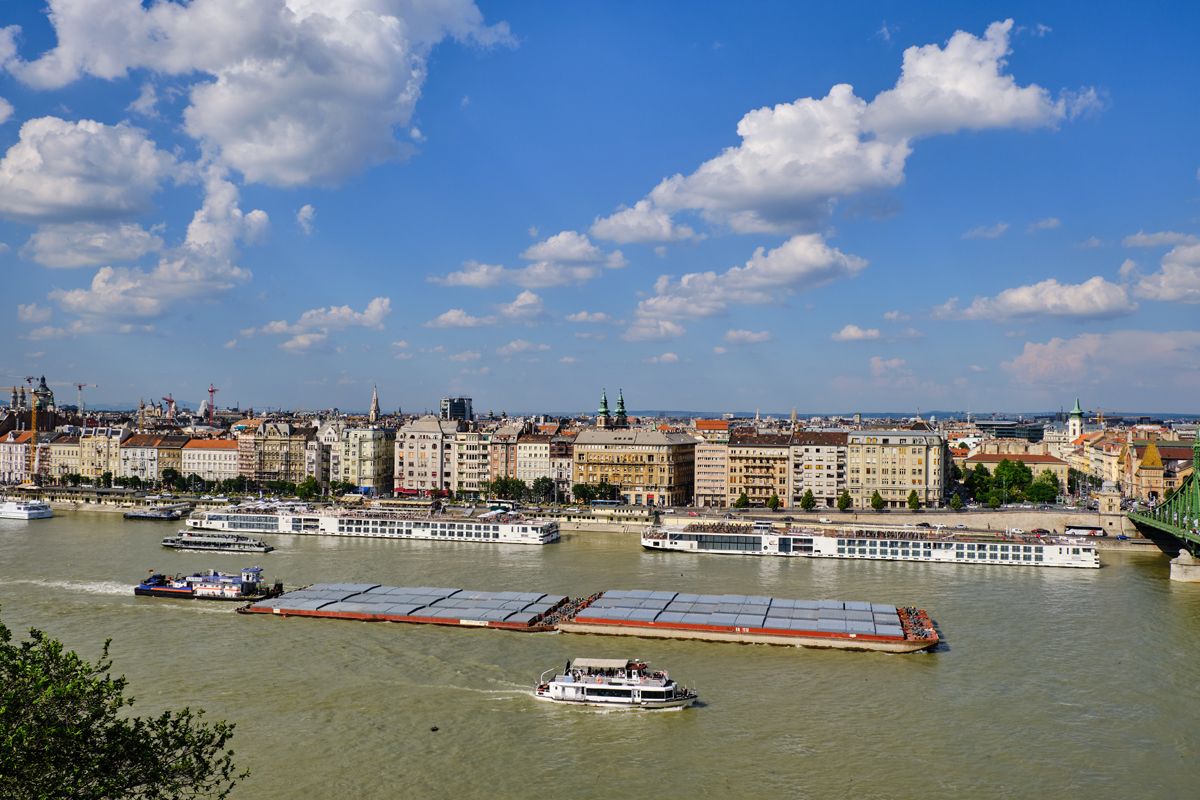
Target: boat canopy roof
{"points": [[600, 663]]}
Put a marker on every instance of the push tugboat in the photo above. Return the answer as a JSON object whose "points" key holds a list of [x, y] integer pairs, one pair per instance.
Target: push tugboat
{"points": [[612, 683], [210, 585]]}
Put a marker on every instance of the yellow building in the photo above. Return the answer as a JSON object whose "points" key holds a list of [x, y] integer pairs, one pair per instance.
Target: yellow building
{"points": [[895, 464], [647, 467], [274, 451], [758, 467]]}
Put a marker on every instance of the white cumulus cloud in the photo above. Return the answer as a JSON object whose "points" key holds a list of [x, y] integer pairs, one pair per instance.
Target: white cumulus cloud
{"points": [[1045, 224], [1158, 239], [741, 336], [853, 333], [305, 217], [32, 312], [643, 223], [1177, 279], [987, 231], [665, 358], [1153, 357], [588, 316], [1095, 298], [804, 261], [89, 244], [6, 110], [525, 307], [517, 346], [457, 318], [62, 171], [287, 92]]}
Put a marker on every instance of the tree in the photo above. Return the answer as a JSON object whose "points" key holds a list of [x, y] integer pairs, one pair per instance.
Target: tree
{"points": [[1044, 489], [1013, 478], [542, 490], [914, 501], [956, 502], [773, 502], [106, 480], [844, 501], [584, 492], [67, 732], [743, 501], [877, 501], [808, 502], [308, 488], [993, 498]]}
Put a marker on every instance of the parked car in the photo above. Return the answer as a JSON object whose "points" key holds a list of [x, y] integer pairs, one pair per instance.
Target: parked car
{"points": [[960, 526], [825, 520], [924, 525], [1039, 530], [1017, 530]]}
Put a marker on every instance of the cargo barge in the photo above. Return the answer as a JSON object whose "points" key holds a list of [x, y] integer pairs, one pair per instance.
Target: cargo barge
{"points": [[849, 625]]}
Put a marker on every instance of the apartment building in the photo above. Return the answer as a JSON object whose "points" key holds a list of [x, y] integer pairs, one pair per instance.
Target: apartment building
{"points": [[64, 457], [424, 457], [365, 458], [896, 463], [533, 457], [712, 473], [319, 453], [502, 452], [139, 458], [647, 467], [562, 448], [758, 467], [817, 463], [469, 467], [273, 451], [210, 459], [100, 451]]}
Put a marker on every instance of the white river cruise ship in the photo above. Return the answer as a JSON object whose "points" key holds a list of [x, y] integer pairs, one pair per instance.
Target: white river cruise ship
{"points": [[492, 527], [869, 542]]}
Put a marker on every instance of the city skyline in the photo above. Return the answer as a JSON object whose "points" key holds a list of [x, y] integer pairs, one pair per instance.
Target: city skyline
{"points": [[525, 204]]}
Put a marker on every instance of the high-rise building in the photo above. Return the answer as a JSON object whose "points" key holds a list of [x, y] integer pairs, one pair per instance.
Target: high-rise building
{"points": [[457, 408]]}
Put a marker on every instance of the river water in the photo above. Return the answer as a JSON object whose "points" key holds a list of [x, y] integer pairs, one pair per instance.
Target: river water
{"points": [[1051, 682]]}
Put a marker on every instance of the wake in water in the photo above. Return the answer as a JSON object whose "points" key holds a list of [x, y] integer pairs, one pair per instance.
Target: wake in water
{"points": [[81, 587]]}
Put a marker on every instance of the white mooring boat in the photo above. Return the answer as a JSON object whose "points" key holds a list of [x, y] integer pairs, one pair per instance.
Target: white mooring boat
{"points": [[612, 683]]}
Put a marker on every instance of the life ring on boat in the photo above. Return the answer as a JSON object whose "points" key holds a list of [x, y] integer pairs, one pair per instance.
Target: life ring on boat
{"points": [[599, 679]]}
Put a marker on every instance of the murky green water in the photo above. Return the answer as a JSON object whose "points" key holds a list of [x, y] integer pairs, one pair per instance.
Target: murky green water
{"points": [[1053, 683]]}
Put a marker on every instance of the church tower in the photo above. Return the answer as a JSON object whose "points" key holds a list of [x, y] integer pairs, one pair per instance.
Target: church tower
{"points": [[622, 421], [1075, 422], [373, 414], [603, 420]]}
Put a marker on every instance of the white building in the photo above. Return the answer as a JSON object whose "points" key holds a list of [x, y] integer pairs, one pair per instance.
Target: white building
{"points": [[469, 462], [424, 457], [712, 473], [211, 459], [533, 457], [817, 463], [365, 458]]}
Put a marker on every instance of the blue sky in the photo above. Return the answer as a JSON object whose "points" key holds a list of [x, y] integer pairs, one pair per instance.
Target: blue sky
{"points": [[526, 202]]}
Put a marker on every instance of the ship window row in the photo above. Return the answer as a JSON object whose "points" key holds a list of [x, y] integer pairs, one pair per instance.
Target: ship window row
{"points": [[1002, 556]]}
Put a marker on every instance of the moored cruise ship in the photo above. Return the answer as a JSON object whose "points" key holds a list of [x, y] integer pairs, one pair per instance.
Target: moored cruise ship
{"points": [[878, 543], [492, 527]]}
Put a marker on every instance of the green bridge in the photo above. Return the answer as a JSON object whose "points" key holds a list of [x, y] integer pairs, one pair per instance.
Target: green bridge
{"points": [[1179, 515]]}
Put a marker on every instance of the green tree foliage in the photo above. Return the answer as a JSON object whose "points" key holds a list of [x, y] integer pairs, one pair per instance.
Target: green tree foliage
{"points": [[507, 489], [106, 480], [583, 492], [844, 501], [308, 488], [773, 502], [956, 502], [978, 482], [1044, 489], [1012, 478], [914, 502], [542, 490], [66, 732], [743, 501], [993, 498], [808, 502], [877, 501]]}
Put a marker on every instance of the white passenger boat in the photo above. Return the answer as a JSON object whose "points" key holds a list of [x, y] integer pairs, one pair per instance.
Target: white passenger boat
{"points": [[494, 527], [876, 543], [25, 509], [219, 542], [612, 683]]}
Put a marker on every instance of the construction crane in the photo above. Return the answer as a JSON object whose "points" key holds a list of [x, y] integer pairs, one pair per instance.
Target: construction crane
{"points": [[170, 401], [79, 387]]}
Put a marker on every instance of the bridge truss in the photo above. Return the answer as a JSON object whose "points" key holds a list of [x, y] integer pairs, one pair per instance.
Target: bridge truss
{"points": [[1179, 514]]}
